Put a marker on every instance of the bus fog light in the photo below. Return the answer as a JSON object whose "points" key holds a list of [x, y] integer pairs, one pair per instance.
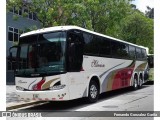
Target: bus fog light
{"points": [[19, 88], [57, 87]]}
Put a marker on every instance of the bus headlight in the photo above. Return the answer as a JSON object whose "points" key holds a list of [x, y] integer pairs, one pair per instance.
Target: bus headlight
{"points": [[57, 87], [19, 88]]}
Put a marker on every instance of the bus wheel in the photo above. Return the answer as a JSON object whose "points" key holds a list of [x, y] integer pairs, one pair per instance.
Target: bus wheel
{"points": [[93, 92], [140, 83], [135, 84]]}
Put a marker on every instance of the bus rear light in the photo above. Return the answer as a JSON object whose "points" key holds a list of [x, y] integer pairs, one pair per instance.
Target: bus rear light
{"points": [[57, 87]]}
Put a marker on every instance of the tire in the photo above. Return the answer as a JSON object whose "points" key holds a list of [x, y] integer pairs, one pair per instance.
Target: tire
{"points": [[93, 92], [140, 83], [135, 84]]}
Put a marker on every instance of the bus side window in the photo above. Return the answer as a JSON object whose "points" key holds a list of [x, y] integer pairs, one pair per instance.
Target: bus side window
{"points": [[132, 54], [75, 52]]}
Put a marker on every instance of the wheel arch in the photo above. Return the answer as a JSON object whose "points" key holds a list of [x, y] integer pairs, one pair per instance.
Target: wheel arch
{"points": [[134, 75], [141, 75], [97, 80]]}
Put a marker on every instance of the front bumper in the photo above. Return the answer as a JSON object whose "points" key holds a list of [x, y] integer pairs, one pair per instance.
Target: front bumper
{"points": [[48, 95]]}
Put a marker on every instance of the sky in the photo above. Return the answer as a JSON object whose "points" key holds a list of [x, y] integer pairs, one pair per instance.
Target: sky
{"points": [[141, 4]]}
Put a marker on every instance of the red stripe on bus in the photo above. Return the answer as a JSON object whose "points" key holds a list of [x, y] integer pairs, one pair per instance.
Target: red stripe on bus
{"points": [[61, 98], [46, 99], [39, 98]]}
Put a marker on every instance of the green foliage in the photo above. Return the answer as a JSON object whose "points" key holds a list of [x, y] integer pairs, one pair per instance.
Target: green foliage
{"points": [[30, 28], [116, 18], [150, 12], [15, 17], [138, 29]]}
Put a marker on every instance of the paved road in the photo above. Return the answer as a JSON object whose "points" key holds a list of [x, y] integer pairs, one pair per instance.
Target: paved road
{"points": [[11, 94], [119, 100]]}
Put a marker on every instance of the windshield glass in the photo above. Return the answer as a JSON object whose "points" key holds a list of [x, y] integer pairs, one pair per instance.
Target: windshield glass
{"points": [[42, 54]]}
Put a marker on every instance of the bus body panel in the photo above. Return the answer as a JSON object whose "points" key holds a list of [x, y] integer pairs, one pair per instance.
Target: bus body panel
{"points": [[50, 95], [112, 74], [107, 68], [40, 86], [77, 84]]}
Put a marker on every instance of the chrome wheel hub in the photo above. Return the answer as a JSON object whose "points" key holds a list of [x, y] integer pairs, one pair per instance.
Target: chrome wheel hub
{"points": [[140, 82], [93, 91], [135, 83]]}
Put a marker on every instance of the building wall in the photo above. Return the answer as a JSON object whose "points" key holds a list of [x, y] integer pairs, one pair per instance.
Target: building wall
{"points": [[22, 23]]}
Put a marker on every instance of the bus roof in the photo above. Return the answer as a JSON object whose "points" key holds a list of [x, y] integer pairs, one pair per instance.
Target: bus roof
{"points": [[65, 28]]}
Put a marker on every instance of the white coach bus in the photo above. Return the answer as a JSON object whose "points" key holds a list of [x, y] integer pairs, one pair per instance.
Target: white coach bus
{"points": [[69, 62]]}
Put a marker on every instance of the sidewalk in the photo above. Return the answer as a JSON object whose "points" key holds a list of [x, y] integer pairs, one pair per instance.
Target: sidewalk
{"points": [[12, 101]]}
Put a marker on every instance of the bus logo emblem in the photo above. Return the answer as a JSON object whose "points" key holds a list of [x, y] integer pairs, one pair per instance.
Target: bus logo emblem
{"points": [[95, 63]]}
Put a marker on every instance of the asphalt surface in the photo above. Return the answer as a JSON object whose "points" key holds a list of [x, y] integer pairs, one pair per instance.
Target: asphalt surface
{"points": [[11, 94], [12, 100], [119, 100]]}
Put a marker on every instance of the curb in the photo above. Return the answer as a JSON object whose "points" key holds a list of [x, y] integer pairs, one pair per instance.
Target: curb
{"points": [[23, 105]]}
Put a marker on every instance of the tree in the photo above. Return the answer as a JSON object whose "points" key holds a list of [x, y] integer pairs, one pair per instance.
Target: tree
{"points": [[150, 12], [116, 18], [90, 14], [138, 29], [118, 9], [49, 12]]}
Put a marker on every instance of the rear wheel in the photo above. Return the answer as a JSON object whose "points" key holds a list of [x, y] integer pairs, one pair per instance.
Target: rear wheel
{"points": [[140, 83], [135, 84], [93, 92]]}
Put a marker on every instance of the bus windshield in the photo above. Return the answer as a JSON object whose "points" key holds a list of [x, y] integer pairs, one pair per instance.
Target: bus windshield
{"points": [[41, 54]]}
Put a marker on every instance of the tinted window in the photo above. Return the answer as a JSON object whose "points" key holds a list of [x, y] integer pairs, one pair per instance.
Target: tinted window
{"points": [[138, 53], [131, 52], [10, 36], [20, 11], [91, 44], [119, 50], [30, 15], [16, 37], [15, 10], [34, 16], [144, 55], [123, 50], [105, 47], [115, 48]]}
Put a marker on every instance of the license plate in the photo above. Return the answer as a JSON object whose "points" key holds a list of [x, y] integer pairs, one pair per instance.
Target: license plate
{"points": [[35, 95]]}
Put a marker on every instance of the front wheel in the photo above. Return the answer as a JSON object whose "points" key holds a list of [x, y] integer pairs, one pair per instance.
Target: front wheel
{"points": [[93, 92]]}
